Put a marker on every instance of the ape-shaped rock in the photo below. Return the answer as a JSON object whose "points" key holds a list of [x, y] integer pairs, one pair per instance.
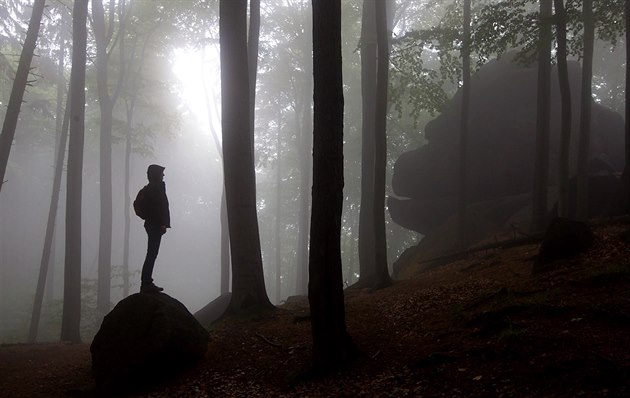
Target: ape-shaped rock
{"points": [[145, 337], [501, 150]]}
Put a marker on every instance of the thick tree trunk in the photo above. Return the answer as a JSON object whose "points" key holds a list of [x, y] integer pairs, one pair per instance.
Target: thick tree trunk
{"points": [[380, 271], [626, 181], [566, 113], [71, 318], [331, 343], [541, 166], [586, 100], [367, 255], [19, 86], [248, 284], [463, 140]]}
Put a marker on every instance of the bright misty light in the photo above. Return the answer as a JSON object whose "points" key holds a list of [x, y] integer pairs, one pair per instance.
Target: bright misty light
{"points": [[188, 69]]}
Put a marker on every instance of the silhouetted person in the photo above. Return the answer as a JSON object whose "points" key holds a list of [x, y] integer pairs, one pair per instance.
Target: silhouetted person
{"points": [[157, 219]]}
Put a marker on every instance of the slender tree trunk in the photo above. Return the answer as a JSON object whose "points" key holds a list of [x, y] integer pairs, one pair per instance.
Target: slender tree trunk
{"points": [[541, 167], [566, 113], [248, 284], [278, 225], [19, 86], [585, 110], [332, 345], [105, 184], [367, 255], [50, 226], [381, 271], [463, 140], [127, 207], [71, 318]]}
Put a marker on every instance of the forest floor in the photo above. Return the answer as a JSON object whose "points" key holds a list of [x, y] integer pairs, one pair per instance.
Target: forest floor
{"points": [[479, 326]]}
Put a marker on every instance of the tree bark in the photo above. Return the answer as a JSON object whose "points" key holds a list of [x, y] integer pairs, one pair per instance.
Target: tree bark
{"points": [[367, 255], [19, 86], [586, 100], [248, 284], [463, 140], [627, 112], [566, 113], [380, 271], [541, 166], [331, 342], [71, 318]]}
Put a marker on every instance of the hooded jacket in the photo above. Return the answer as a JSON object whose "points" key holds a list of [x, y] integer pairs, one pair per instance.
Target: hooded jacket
{"points": [[156, 200]]}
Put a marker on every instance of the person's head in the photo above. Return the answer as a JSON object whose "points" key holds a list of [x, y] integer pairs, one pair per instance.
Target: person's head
{"points": [[155, 173]]}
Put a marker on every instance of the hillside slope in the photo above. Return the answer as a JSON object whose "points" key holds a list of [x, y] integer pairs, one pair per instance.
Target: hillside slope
{"points": [[479, 326]]}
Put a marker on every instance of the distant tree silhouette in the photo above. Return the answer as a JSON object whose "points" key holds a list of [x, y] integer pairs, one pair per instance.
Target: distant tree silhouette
{"points": [[19, 86], [565, 101], [248, 284], [586, 101], [543, 103], [71, 318], [331, 342], [463, 138], [62, 132]]}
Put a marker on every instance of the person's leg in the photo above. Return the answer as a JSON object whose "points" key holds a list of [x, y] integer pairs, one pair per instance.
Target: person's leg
{"points": [[153, 247]]}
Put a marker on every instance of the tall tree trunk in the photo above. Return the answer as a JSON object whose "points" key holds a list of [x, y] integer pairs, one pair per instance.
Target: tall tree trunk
{"points": [[105, 184], [19, 86], [71, 318], [127, 208], [248, 284], [626, 181], [332, 345], [381, 271], [543, 104], [367, 256], [52, 217], [585, 110], [278, 225], [566, 113], [463, 140]]}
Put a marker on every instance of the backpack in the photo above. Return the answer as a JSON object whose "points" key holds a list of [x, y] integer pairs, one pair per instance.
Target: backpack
{"points": [[140, 205]]}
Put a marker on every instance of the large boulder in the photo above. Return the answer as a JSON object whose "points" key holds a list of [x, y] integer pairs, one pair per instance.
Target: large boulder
{"points": [[501, 149], [563, 239], [144, 338]]}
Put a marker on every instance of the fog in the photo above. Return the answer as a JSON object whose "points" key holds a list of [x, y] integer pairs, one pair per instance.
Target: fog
{"points": [[173, 128]]}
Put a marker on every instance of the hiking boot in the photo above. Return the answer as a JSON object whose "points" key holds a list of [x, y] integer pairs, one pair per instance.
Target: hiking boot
{"points": [[150, 288]]}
